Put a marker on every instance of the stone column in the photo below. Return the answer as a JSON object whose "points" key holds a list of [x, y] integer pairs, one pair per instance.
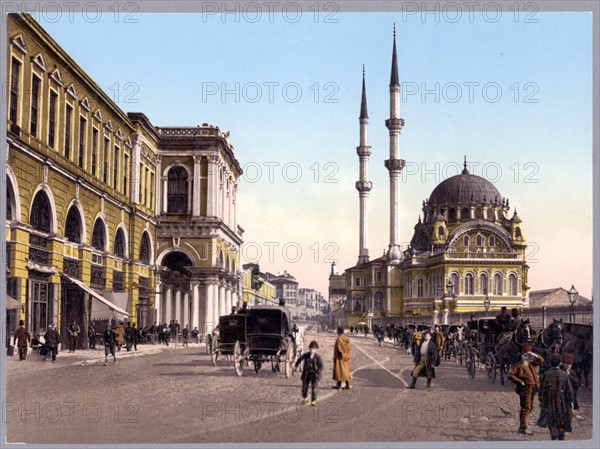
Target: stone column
{"points": [[186, 309], [196, 191], [228, 301], [209, 318], [195, 307], [222, 300], [216, 303], [158, 299], [168, 304], [164, 192], [178, 306]]}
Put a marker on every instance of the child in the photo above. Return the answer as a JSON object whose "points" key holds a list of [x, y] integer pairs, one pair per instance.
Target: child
{"points": [[311, 372]]}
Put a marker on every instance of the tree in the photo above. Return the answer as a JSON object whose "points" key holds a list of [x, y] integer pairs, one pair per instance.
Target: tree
{"points": [[256, 282]]}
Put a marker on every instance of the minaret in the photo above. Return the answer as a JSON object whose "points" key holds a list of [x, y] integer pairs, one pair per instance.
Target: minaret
{"points": [[363, 185], [394, 165]]}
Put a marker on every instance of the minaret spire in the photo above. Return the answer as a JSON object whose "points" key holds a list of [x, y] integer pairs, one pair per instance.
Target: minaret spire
{"points": [[363, 185], [394, 164]]}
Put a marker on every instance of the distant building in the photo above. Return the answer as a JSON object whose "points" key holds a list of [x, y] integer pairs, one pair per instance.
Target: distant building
{"points": [[337, 297], [286, 287], [554, 297]]}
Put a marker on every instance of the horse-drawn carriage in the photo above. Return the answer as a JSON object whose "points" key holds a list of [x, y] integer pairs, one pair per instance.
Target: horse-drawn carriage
{"points": [[268, 339], [221, 342], [455, 342], [481, 348]]}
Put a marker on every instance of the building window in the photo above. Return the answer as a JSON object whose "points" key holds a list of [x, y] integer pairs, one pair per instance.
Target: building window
{"points": [[147, 185], [358, 304], [451, 214], [469, 284], [151, 190], [68, 119], [14, 90], [82, 122], [141, 198], [478, 213], [52, 118], [492, 241], [177, 189], [441, 230], [512, 284], [454, 279], [99, 236], [357, 282], [145, 249], [73, 225], [483, 284], [35, 100], [378, 276], [491, 215], [408, 288], [39, 307], [119, 249], [118, 281], [420, 287], [517, 232], [116, 168], [498, 284], [94, 150], [464, 213], [479, 240], [105, 160], [378, 301], [125, 172], [466, 241], [40, 213]]}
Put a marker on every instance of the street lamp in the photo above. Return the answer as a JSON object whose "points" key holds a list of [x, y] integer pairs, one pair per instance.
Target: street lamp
{"points": [[572, 299], [486, 303]]}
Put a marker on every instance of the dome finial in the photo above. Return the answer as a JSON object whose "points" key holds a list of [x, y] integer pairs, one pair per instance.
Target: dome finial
{"points": [[394, 30], [363, 102], [465, 171]]}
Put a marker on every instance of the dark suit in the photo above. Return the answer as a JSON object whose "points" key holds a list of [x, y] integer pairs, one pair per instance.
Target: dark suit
{"points": [[311, 373], [425, 363], [51, 342]]}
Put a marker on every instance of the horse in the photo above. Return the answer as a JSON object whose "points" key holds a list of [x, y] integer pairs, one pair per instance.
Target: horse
{"points": [[508, 347], [578, 341], [457, 342], [549, 341], [379, 333]]}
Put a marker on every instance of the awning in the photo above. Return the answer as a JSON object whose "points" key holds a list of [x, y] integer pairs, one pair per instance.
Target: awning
{"points": [[99, 297], [12, 303]]}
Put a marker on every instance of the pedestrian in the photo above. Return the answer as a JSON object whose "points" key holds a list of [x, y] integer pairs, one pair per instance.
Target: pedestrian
{"points": [[524, 375], [92, 336], [51, 342], [426, 358], [311, 372], [166, 334], [567, 366], [351, 329], [341, 360], [21, 340], [195, 334], [556, 399], [185, 335], [366, 331], [110, 344], [438, 338], [74, 331], [136, 337], [128, 336]]}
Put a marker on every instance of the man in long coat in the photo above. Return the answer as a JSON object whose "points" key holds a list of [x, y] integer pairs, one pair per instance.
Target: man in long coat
{"points": [[524, 375], [426, 358], [556, 398], [341, 360], [51, 341]]}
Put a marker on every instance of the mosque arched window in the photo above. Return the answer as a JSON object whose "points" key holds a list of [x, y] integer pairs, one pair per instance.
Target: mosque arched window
{"points": [[455, 280], [378, 301], [491, 215], [469, 284], [483, 283], [498, 290], [512, 284], [451, 214], [480, 240], [464, 213], [441, 230], [145, 249], [119, 249], [420, 287], [517, 232], [99, 236], [492, 241], [73, 225], [466, 241], [41, 214]]}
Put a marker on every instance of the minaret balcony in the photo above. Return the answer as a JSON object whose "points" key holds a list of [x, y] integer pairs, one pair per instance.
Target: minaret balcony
{"points": [[395, 165], [364, 186], [363, 150], [394, 124]]}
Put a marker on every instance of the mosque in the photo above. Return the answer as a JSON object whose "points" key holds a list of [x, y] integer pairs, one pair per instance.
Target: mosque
{"points": [[466, 254]]}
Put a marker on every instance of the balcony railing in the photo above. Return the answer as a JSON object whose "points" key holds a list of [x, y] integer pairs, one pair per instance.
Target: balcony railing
{"points": [[98, 277], [38, 250], [71, 267]]}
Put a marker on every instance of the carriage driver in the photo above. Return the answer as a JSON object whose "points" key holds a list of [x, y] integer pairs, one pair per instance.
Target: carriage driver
{"points": [[503, 320]]}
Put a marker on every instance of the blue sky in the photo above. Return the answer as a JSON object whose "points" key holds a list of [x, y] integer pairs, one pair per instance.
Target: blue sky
{"points": [[527, 127]]}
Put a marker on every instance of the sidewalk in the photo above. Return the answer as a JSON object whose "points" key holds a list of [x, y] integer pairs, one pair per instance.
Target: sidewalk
{"points": [[86, 357]]}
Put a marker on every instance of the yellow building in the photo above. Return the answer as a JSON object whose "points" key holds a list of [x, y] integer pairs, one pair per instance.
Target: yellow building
{"points": [[265, 295], [108, 216]]}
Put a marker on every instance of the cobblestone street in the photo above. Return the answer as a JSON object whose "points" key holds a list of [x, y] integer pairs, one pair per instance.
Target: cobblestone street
{"points": [[168, 395]]}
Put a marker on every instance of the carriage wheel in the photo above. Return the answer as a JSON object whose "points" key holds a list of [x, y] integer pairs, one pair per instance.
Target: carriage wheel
{"points": [[490, 366], [208, 344], [214, 353], [471, 362], [238, 358]]}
